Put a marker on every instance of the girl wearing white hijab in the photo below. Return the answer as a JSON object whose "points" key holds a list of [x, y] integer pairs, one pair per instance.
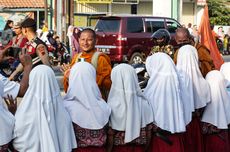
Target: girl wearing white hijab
{"points": [[165, 95], [216, 116], [225, 70], [198, 95], [42, 123], [132, 115], [6, 124], [89, 112]]}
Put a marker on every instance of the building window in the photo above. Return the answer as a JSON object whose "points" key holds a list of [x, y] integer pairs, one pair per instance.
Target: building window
{"points": [[134, 9]]}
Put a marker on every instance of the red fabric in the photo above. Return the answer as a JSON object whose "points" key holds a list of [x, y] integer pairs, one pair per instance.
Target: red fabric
{"points": [[213, 143], [4, 148], [194, 137], [208, 40], [158, 145], [128, 148], [22, 44], [90, 149], [87, 137]]}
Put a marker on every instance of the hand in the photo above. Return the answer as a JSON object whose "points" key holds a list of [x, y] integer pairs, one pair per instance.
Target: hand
{"points": [[11, 104], [3, 53], [65, 67], [25, 59]]}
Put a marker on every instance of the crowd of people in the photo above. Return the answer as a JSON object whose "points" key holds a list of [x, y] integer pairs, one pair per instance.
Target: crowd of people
{"points": [[222, 38], [184, 107]]}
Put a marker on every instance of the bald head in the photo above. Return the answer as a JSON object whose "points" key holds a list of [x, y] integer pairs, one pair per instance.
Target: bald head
{"points": [[183, 36]]}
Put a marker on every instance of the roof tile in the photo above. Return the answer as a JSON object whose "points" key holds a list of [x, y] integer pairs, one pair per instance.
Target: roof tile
{"points": [[22, 3]]}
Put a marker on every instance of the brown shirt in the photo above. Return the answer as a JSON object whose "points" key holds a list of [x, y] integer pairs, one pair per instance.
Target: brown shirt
{"points": [[205, 60]]}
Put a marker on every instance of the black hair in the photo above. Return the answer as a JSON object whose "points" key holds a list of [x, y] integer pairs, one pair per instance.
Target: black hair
{"points": [[89, 30], [7, 24]]}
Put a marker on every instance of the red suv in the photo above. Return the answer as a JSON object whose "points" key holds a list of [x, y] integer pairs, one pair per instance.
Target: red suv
{"points": [[128, 38]]}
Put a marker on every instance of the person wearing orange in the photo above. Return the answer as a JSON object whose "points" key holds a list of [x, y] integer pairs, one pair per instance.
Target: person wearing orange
{"points": [[205, 60], [100, 61]]}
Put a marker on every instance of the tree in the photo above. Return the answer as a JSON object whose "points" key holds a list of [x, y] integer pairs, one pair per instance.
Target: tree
{"points": [[219, 11]]}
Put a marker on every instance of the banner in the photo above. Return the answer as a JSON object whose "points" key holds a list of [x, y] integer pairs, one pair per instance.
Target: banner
{"points": [[208, 40]]}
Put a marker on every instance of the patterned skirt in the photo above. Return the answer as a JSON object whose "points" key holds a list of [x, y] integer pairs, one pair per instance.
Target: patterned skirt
{"points": [[4, 148]]}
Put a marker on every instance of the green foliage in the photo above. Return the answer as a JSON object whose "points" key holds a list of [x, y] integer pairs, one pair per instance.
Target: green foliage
{"points": [[219, 12]]}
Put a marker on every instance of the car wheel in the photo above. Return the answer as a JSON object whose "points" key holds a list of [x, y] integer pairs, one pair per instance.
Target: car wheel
{"points": [[136, 58]]}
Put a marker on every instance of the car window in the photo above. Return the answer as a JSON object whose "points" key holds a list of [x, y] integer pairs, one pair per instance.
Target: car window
{"points": [[112, 25], [153, 25], [172, 25], [134, 25]]}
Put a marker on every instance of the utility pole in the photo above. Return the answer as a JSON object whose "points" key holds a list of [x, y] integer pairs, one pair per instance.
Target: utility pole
{"points": [[71, 15]]}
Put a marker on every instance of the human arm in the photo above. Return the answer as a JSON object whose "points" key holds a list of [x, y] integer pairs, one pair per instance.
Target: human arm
{"points": [[104, 72], [206, 62], [3, 53], [26, 61], [11, 103], [65, 68]]}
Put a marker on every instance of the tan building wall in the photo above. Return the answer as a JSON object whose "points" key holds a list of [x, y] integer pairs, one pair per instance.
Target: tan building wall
{"points": [[90, 8], [187, 13], [145, 8]]}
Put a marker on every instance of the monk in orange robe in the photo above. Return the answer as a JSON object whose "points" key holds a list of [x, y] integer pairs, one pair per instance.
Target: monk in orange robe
{"points": [[205, 60], [100, 61]]}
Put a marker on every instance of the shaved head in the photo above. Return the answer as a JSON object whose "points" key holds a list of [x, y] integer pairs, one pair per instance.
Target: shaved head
{"points": [[183, 36]]}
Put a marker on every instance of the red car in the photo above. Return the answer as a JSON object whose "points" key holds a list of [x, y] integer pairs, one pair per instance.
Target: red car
{"points": [[128, 38]]}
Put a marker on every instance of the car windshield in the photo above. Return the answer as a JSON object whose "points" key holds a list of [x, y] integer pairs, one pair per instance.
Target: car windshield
{"points": [[108, 25]]}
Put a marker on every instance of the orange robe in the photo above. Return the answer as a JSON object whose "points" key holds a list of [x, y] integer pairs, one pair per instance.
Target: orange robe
{"points": [[204, 57], [103, 71]]}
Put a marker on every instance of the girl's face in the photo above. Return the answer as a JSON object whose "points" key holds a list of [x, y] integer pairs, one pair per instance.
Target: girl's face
{"points": [[76, 30], [11, 24]]}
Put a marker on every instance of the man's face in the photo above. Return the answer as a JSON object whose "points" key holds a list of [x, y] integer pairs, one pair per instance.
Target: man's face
{"points": [[87, 41], [17, 30], [182, 38]]}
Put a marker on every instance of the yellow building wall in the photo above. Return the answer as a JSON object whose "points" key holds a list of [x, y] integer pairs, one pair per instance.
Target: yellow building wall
{"points": [[90, 8]]}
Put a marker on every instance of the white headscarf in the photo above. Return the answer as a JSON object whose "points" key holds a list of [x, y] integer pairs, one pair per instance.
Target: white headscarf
{"points": [[225, 70], [164, 93], [83, 99], [6, 121], [42, 123], [195, 84], [217, 111], [130, 109]]}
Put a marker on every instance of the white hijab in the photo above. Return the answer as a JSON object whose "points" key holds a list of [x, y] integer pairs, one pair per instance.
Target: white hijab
{"points": [[225, 70], [164, 93], [6, 121], [130, 109], [217, 111], [195, 84], [42, 123], [83, 99]]}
